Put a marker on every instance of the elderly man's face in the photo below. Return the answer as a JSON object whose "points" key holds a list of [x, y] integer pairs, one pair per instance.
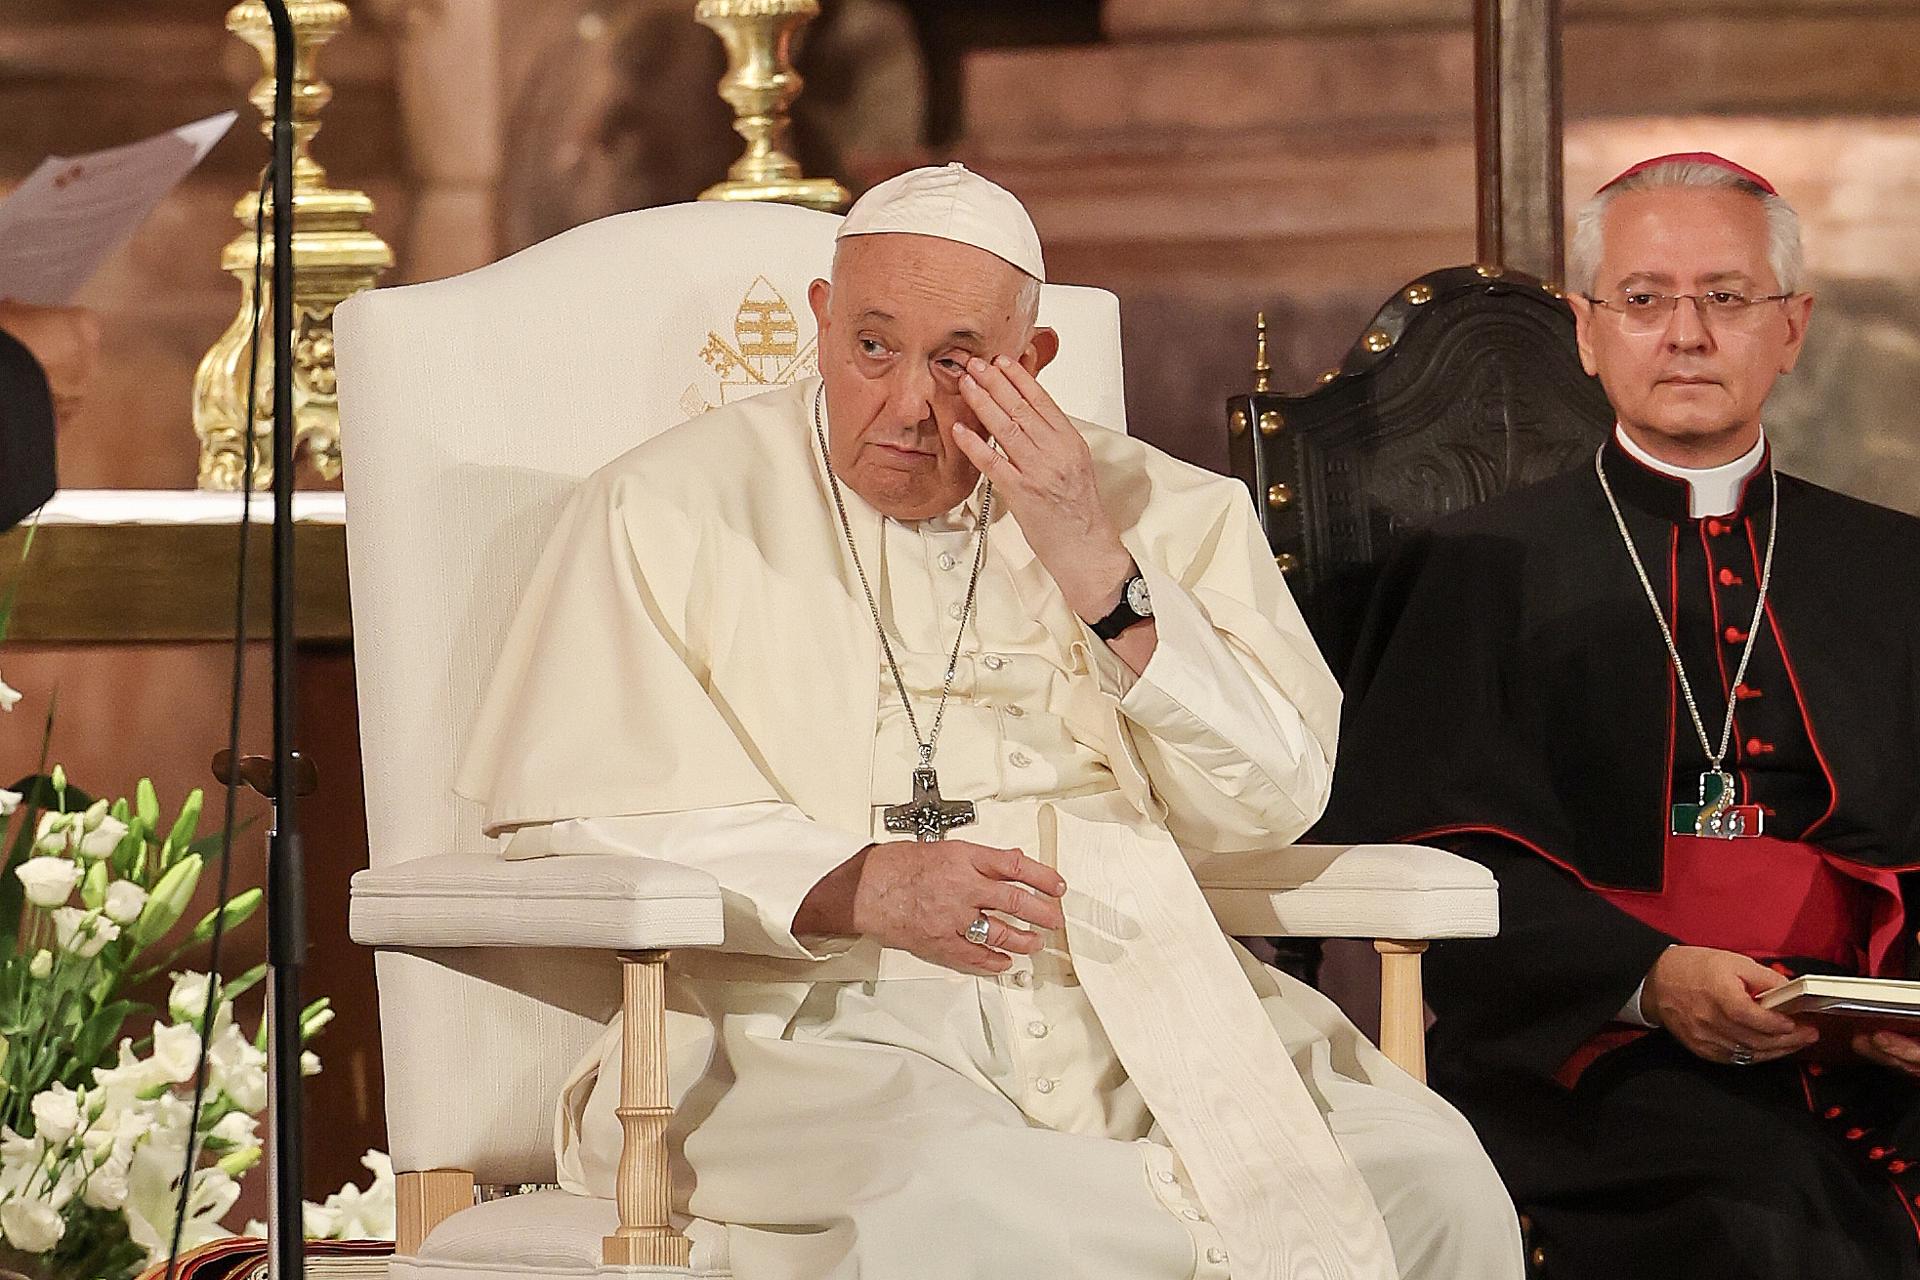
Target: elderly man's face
{"points": [[1690, 390], [897, 325]]}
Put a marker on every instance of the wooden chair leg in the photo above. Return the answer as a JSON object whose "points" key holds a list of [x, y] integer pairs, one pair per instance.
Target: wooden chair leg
{"points": [[1403, 1009], [642, 1188], [423, 1200]]}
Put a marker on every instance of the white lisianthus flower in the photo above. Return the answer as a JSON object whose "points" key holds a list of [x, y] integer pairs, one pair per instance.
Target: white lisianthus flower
{"points": [[31, 1226], [55, 832], [56, 1114], [83, 933], [237, 1069], [125, 901], [42, 963], [102, 838], [49, 880], [368, 1214], [9, 801], [8, 696], [188, 998], [176, 1051], [236, 1129], [107, 1186]]}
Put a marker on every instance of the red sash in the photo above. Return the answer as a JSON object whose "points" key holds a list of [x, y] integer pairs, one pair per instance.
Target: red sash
{"points": [[1764, 898]]}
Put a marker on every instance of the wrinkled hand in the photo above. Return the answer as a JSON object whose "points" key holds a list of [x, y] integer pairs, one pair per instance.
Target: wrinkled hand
{"points": [[66, 342], [1889, 1049], [921, 898], [1044, 474], [1706, 999]]}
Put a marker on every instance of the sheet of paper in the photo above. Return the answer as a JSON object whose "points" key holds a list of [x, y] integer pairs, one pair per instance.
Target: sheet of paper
{"points": [[58, 226]]}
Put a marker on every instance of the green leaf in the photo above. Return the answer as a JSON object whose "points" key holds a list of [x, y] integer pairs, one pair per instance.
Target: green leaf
{"points": [[238, 910], [147, 803], [99, 1031], [243, 984]]}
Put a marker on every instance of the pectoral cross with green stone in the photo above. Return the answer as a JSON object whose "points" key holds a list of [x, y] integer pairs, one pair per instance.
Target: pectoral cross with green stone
{"points": [[1717, 815], [927, 816]]}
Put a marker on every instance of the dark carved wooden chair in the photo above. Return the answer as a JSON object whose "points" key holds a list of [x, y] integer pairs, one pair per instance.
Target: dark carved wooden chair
{"points": [[1466, 384]]}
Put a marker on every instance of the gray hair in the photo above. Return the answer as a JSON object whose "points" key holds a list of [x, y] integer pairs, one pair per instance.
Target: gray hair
{"points": [[1783, 224]]}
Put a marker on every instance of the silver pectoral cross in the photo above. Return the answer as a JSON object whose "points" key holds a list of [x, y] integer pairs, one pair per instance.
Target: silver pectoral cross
{"points": [[927, 816]]}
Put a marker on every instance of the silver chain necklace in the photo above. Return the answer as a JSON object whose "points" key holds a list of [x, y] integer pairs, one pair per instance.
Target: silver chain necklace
{"points": [[1716, 814], [927, 815]]}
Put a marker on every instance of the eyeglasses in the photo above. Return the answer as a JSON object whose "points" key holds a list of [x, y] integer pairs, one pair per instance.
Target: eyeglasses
{"points": [[1642, 311]]}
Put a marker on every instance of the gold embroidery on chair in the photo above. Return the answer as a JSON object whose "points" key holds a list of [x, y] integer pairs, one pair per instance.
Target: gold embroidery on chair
{"points": [[764, 352]]}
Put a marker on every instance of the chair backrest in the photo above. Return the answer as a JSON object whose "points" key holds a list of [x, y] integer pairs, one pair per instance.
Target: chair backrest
{"points": [[1466, 384], [470, 407]]}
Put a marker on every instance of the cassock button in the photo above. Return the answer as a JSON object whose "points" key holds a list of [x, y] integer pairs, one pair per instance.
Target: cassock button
{"points": [[1877, 1153], [1897, 1166], [1166, 1177], [1728, 578], [1021, 977], [947, 561], [1038, 1029], [1755, 747], [1191, 1215], [1832, 1113], [1016, 711], [1043, 1084], [1019, 759], [1216, 1255], [993, 662], [1734, 635], [1854, 1135], [1745, 690], [954, 610], [1718, 527], [1539, 1258]]}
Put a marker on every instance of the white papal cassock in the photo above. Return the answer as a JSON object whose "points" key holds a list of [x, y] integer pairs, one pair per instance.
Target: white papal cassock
{"points": [[694, 675]]}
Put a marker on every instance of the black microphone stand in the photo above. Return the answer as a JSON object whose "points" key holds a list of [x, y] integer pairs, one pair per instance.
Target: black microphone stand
{"points": [[286, 875]]}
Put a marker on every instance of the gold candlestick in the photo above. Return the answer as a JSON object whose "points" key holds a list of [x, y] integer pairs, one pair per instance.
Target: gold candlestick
{"points": [[334, 257], [760, 85]]}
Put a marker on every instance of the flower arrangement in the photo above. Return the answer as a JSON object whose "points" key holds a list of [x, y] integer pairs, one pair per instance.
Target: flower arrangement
{"points": [[96, 1126]]}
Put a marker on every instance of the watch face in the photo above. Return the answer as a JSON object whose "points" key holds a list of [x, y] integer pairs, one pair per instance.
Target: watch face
{"points": [[1137, 598]]}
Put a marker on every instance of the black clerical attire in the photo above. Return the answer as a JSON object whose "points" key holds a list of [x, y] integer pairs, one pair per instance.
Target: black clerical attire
{"points": [[1512, 699], [26, 433]]}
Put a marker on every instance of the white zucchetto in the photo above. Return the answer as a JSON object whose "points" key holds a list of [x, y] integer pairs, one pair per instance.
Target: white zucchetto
{"points": [[950, 202]]}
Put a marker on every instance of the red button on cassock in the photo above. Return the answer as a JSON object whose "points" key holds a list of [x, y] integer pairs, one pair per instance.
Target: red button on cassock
{"points": [[1734, 635], [1755, 747], [1831, 1113], [1728, 578], [1716, 527], [1854, 1135], [1877, 1153], [1744, 690], [1897, 1166]]}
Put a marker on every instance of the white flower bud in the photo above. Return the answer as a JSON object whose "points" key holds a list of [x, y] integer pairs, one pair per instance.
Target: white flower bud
{"points": [[188, 999], [42, 963], [56, 1115]]}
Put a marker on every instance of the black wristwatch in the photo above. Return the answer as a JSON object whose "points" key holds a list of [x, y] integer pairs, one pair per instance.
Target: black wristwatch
{"points": [[1135, 606]]}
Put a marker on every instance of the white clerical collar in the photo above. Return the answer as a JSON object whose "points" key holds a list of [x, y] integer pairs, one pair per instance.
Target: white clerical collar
{"points": [[1711, 491]]}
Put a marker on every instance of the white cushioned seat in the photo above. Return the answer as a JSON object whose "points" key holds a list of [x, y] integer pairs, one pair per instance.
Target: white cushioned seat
{"points": [[1352, 891], [603, 903], [545, 1233]]}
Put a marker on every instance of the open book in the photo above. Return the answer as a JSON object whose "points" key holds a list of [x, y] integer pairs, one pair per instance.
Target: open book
{"points": [[245, 1258], [1846, 1007]]}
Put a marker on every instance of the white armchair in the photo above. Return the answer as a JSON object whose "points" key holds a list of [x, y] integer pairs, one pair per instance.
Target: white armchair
{"points": [[469, 408]]}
